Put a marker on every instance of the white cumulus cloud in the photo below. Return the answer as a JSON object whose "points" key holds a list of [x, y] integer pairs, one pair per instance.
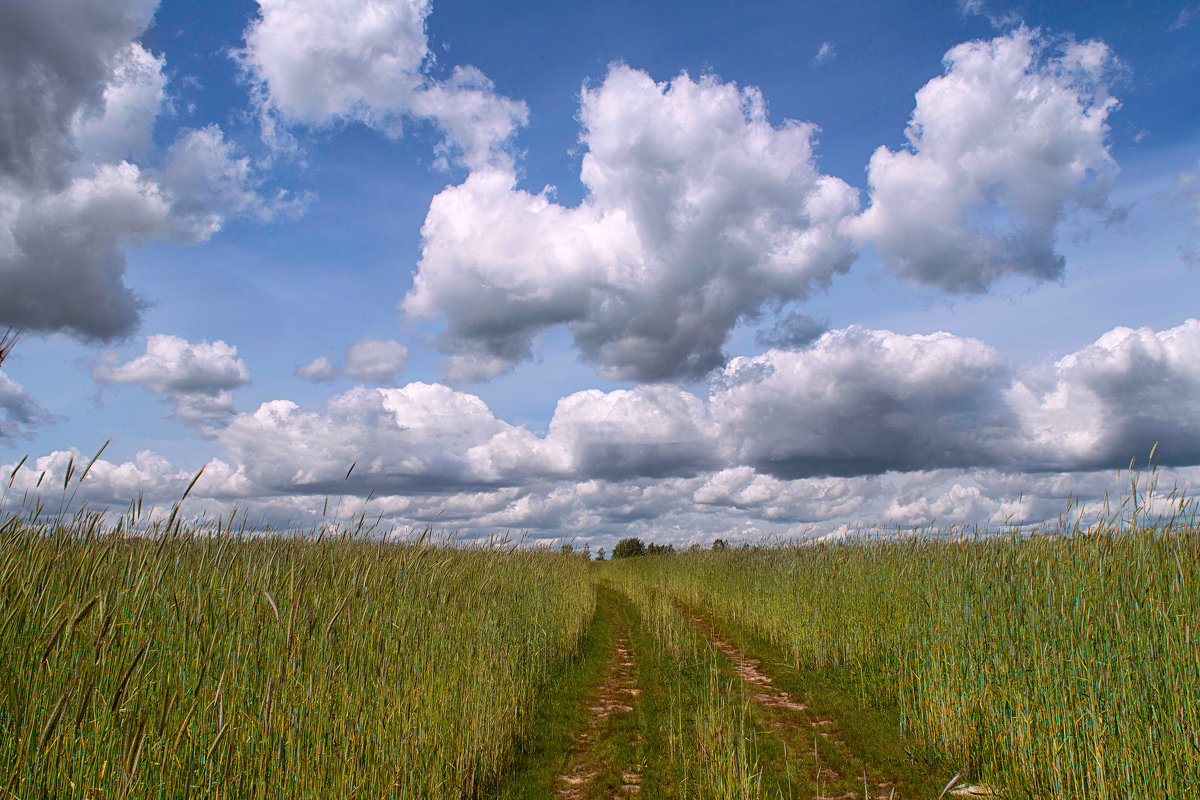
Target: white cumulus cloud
{"points": [[1113, 400], [699, 212], [198, 379], [420, 437], [649, 431], [1001, 148], [862, 401], [321, 62]]}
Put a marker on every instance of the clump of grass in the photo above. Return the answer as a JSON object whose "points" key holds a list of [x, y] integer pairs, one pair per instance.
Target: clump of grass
{"points": [[168, 661]]}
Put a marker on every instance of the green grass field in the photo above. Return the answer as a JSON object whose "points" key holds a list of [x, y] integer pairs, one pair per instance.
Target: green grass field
{"points": [[168, 661]]}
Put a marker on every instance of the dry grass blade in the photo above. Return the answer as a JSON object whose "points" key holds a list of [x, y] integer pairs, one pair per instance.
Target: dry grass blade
{"points": [[8, 340], [53, 639], [135, 755], [271, 600], [212, 747], [95, 458], [333, 617], [953, 782], [192, 485]]}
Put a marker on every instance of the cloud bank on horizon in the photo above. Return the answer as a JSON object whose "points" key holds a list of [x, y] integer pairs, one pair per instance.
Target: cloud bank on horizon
{"points": [[699, 215], [857, 409]]}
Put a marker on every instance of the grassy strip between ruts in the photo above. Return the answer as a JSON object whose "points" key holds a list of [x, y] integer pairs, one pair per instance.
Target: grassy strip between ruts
{"points": [[867, 739], [697, 743]]}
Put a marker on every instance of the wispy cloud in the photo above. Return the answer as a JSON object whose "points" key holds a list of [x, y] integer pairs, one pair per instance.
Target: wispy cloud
{"points": [[1185, 17], [825, 53], [1000, 21], [377, 361]]}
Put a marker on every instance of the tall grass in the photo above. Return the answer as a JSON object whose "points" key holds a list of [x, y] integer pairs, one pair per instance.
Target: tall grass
{"points": [[1062, 663], [211, 663]]}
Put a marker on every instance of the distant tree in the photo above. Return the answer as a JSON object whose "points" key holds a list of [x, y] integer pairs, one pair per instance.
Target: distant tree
{"points": [[587, 552], [627, 548], [720, 544], [566, 549], [600, 554], [653, 549]]}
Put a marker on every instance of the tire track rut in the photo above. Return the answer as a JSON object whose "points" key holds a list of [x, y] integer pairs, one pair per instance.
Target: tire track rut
{"points": [[590, 776]]}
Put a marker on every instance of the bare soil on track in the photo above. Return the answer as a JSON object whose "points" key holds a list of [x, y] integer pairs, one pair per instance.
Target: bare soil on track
{"points": [[592, 773]]}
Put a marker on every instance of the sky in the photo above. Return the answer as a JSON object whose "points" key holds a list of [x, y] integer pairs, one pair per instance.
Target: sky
{"points": [[570, 273]]}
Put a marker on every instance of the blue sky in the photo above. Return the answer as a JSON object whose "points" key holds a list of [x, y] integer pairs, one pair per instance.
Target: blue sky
{"points": [[682, 270]]}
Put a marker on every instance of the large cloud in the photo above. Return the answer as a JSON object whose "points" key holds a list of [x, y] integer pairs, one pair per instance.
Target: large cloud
{"points": [[698, 214], [198, 379], [55, 57], [1000, 149], [318, 62], [857, 402], [862, 402], [324, 60], [1113, 400], [421, 437], [63, 263], [645, 432], [78, 102], [428, 438]]}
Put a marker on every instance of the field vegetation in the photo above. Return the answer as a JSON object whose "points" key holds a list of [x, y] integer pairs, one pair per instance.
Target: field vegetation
{"points": [[144, 656], [208, 663], [1058, 663]]}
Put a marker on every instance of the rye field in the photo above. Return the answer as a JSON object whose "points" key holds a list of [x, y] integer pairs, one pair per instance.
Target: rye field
{"points": [[174, 659]]}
